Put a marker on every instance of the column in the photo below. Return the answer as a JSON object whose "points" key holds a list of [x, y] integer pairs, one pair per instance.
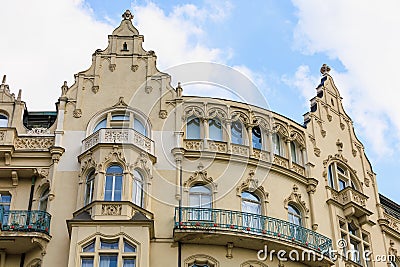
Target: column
{"points": [[206, 133], [250, 136], [289, 153], [311, 190], [229, 136]]}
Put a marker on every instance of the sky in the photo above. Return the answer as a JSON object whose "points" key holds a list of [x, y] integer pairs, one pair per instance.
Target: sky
{"points": [[280, 45]]}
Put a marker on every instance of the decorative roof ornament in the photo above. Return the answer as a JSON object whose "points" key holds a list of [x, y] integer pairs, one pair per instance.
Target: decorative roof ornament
{"points": [[325, 69], [127, 15]]}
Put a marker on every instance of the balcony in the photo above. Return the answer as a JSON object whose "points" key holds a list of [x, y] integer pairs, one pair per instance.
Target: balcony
{"points": [[119, 136], [247, 230], [351, 201], [22, 230]]}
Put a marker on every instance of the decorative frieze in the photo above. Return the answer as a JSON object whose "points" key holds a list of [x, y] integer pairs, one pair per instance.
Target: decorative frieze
{"points": [[111, 209], [38, 131], [33, 143], [196, 145], [116, 136], [217, 146], [281, 161], [240, 150]]}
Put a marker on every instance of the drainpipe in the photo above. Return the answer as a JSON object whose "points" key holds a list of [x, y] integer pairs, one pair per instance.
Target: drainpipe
{"points": [[31, 194], [22, 261], [180, 217]]}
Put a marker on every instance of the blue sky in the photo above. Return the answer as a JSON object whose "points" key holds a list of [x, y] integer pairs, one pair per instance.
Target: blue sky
{"points": [[279, 44]]}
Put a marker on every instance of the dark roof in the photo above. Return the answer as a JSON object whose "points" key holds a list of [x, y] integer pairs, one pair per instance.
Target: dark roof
{"points": [[390, 206]]}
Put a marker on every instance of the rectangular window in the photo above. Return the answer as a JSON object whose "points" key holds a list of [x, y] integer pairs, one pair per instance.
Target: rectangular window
{"points": [[109, 244], [108, 260], [129, 262], [87, 262]]}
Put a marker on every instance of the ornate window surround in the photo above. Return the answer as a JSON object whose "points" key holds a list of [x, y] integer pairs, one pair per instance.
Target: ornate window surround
{"points": [[201, 259], [295, 200], [251, 185]]}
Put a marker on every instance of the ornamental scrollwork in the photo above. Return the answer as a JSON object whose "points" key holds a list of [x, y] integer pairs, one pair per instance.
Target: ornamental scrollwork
{"points": [[200, 176], [33, 143], [295, 197]]}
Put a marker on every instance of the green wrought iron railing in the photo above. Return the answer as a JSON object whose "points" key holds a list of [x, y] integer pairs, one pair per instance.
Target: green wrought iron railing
{"points": [[187, 218], [25, 220]]}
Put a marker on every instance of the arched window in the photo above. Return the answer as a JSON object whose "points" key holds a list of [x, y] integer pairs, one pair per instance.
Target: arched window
{"points": [[339, 177], [237, 132], [89, 188], [295, 153], [101, 125], [123, 120], [294, 215], [250, 203], [193, 128], [276, 141], [3, 120], [139, 127], [256, 137], [113, 186], [44, 199], [251, 206], [215, 129], [200, 198], [137, 189]]}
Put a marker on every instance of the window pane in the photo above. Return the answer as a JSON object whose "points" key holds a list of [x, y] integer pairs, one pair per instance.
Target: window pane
{"points": [[102, 124], [293, 152], [200, 189], [87, 262], [120, 118], [249, 196], [108, 260], [128, 247], [89, 247], [215, 129], [114, 169], [129, 263], [256, 137], [3, 120], [237, 132], [44, 200], [342, 184], [251, 207], [139, 127], [108, 188], [330, 176], [193, 128], [277, 144], [109, 244], [137, 194]]}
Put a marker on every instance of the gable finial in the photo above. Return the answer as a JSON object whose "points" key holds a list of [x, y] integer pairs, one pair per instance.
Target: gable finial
{"points": [[325, 69], [127, 15], [4, 79]]}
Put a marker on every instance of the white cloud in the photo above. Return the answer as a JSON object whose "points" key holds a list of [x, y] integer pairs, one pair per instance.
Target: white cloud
{"points": [[44, 43], [179, 36], [364, 37]]}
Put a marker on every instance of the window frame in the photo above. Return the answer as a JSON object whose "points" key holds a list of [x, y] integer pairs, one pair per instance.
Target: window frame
{"points": [[3, 121], [195, 133], [234, 139], [119, 251], [114, 178], [89, 184], [44, 198], [340, 177], [218, 135]]}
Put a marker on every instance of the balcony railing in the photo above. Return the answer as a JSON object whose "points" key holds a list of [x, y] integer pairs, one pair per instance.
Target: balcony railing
{"points": [[216, 219], [25, 220], [123, 136]]}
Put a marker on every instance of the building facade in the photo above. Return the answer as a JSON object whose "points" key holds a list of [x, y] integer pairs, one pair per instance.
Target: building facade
{"points": [[130, 172]]}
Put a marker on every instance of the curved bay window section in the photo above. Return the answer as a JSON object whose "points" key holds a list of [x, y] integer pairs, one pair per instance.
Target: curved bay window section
{"points": [[215, 129], [237, 133], [193, 128], [277, 144], [113, 183], [256, 137]]}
